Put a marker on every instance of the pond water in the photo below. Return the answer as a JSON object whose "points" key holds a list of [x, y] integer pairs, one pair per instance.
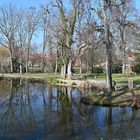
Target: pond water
{"points": [[33, 110]]}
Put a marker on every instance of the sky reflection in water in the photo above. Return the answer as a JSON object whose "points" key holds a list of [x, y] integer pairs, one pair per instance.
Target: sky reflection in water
{"points": [[36, 111]]}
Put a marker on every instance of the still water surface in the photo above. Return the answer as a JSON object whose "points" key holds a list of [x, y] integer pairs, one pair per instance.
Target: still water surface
{"points": [[33, 110]]}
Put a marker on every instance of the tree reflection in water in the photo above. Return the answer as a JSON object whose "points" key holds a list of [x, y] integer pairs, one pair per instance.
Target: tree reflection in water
{"points": [[36, 110]]}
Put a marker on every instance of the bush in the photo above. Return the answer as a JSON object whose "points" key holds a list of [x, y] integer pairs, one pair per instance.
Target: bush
{"points": [[117, 68], [73, 84], [16, 65], [97, 70], [137, 68], [75, 70]]}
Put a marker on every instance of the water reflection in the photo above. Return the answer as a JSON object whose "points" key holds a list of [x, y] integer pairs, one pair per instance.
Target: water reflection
{"points": [[36, 111]]}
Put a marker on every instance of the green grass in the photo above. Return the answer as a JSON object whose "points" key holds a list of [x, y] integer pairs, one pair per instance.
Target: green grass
{"points": [[30, 75], [119, 78]]}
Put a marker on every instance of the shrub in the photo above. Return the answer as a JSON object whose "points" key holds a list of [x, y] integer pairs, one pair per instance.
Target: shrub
{"points": [[73, 84], [97, 70], [75, 70], [16, 65], [137, 68], [117, 68]]}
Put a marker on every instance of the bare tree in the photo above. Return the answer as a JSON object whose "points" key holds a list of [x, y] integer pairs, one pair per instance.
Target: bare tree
{"points": [[32, 21], [21, 37], [44, 24], [123, 14], [8, 28], [104, 12], [66, 38], [67, 33]]}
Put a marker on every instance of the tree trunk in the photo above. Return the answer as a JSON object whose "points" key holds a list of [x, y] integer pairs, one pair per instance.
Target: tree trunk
{"points": [[108, 50], [32, 67], [26, 63], [56, 66], [27, 54], [43, 51], [123, 47], [64, 71], [87, 66], [26, 59], [108, 72], [69, 70], [11, 61], [81, 65], [20, 69], [122, 36], [123, 61], [42, 65]]}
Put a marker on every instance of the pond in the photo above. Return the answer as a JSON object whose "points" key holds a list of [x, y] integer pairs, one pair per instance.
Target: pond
{"points": [[34, 110]]}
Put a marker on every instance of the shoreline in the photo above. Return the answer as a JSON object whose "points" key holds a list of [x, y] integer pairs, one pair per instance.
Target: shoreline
{"points": [[56, 80], [122, 98]]}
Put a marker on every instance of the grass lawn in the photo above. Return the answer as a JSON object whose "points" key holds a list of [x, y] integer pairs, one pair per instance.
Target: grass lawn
{"points": [[32, 75], [119, 78]]}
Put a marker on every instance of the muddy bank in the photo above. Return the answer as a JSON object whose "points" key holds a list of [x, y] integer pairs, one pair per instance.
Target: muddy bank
{"points": [[119, 98], [82, 83]]}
